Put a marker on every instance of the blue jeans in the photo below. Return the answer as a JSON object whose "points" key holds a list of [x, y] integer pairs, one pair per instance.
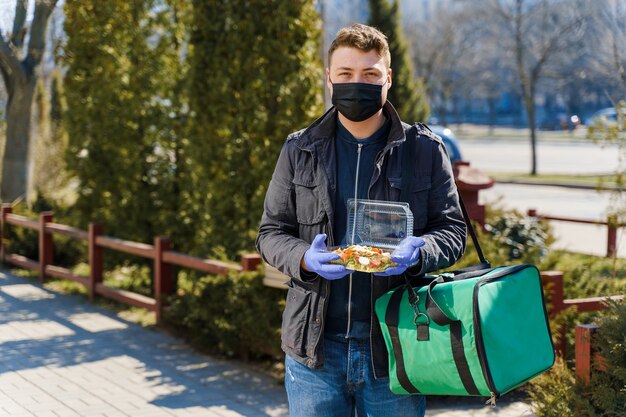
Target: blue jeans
{"points": [[345, 386]]}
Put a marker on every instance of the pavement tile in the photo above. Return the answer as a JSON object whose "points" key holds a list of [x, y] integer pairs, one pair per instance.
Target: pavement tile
{"points": [[63, 357]]}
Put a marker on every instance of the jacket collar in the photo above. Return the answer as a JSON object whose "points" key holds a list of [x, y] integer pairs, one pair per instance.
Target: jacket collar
{"points": [[324, 128]]}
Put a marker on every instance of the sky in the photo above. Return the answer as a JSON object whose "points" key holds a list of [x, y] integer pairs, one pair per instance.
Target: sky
{"points": [[7, 12]]}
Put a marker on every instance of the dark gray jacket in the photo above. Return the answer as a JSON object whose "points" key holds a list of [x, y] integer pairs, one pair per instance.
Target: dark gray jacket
{"points": [[299, 205]]}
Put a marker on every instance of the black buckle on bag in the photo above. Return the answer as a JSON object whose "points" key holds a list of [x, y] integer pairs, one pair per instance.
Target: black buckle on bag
{"points": [[423, 332]]}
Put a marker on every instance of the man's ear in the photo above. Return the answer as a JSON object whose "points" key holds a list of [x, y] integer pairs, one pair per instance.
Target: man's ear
{"points": [[389, 82], [329, 85]]}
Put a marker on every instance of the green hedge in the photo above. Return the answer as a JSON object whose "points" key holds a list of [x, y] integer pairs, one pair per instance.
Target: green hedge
{"points": [[19, 240], [559, 393], [236, 315]]}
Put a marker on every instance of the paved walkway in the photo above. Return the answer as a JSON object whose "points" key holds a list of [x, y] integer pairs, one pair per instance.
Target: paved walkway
{"points": [[63, 357]]}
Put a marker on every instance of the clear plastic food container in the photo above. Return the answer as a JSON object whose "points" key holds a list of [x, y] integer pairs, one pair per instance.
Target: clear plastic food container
{"points": [[375, 228]]}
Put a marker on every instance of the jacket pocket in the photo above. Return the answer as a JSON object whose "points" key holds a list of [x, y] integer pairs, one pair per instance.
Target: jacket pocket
{"points": [[309, 207], [418, 200], [296, 318]]}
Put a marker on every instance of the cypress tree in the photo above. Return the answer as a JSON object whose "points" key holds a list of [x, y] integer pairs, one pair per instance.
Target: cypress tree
{"points": [[256, 74], [121, 117], [407, 93]]}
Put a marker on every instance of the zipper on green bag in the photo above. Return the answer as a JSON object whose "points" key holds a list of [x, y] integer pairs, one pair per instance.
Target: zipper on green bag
{"points": [[480, 350], [480, 347]]}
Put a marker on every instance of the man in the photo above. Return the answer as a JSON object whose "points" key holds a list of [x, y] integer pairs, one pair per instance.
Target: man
{"points": [[336, 362]]}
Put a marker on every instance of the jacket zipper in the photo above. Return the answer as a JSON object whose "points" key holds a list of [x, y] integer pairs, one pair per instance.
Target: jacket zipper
{"points": [[480, 347], [356, 188], [322, 322]]}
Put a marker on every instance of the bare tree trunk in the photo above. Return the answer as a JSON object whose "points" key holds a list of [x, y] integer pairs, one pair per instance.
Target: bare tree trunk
{"points": [[20, 78], [16, 150], [491, 102], [532, 125]]}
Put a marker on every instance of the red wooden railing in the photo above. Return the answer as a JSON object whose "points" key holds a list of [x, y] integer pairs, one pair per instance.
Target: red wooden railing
{"points": [[612, 226], [160, 252], [584, 353], [164, 257]]}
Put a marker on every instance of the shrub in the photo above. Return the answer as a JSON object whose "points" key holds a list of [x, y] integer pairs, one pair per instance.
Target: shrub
{"points": [[25, 242], [559, 393], [133, 277], [509, 236], [235, 315], [583, 276], [523, 237]]}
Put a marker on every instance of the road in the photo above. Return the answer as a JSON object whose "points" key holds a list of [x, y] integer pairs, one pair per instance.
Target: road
{"points": [[562, 202], [563, 158]]}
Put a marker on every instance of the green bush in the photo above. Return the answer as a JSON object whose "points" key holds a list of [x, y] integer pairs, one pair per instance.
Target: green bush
{"points": [[134, 277], [25, 242], [522, 237], [509, 237], [559, 393], [236, 315], [584, 276], [588, 276]]}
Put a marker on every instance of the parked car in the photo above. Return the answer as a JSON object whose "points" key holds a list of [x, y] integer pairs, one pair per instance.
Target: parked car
{"points": [[604, 116], [448, 138]]}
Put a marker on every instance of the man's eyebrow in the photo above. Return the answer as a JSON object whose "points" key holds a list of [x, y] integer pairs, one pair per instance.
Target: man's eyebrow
{"points": [[352, 69]]}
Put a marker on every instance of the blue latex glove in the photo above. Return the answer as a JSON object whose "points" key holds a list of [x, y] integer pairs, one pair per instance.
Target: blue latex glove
{"points": [[316, 259], [406, 254]]}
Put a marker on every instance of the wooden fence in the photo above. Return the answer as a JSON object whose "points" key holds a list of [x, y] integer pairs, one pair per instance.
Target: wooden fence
{"points": [[584, 351], [164, 258], [160, 252], [610, 223]]}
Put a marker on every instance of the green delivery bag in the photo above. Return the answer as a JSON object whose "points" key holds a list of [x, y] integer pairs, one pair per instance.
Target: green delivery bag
{"points": [[480, 333]]}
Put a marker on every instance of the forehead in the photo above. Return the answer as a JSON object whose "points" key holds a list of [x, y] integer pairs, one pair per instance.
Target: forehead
{"points": [[356, 59]]}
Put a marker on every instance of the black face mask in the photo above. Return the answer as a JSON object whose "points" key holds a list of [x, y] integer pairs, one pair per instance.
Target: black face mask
{"points": [[357, 101]]}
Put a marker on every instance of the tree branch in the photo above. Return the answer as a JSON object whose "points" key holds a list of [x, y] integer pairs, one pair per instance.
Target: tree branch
{"points": [[9, 65], [618, 60], [17, 36], [553, 43], [37, 42], [5, 78]]}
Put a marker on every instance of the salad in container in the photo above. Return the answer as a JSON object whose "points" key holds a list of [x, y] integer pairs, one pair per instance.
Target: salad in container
{"points": [[375, 228]]}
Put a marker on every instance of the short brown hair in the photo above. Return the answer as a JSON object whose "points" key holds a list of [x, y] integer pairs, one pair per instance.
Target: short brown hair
{"points": [[362, 37]]}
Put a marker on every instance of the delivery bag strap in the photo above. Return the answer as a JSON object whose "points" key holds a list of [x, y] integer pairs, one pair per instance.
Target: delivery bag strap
{"points": [[433, 311], [406, 185]]}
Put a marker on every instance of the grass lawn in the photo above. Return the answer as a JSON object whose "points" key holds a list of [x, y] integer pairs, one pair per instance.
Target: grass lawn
{"points": [[588, 181]]}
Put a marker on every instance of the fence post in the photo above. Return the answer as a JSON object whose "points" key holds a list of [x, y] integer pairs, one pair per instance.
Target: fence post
{"points": [[96, 258], [250, 261], [553, 282], [45, 244], [6, 209], [163, 283], [611, 238], [584, 350]]}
